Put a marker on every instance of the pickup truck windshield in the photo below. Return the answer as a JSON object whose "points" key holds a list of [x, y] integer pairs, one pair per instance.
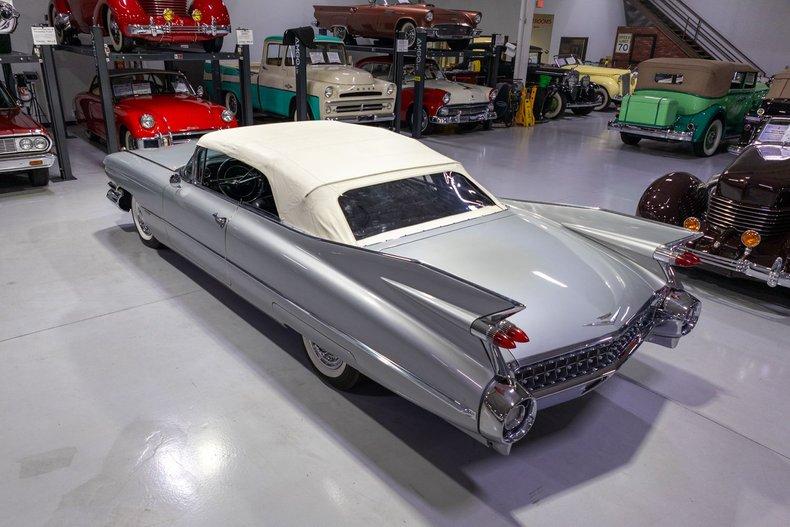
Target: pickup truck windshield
{"points": [[322, 54], [393, 205], [141, 84]]}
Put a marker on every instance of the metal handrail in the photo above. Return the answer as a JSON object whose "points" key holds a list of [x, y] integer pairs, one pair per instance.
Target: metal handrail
{"points": [[699, 31]]}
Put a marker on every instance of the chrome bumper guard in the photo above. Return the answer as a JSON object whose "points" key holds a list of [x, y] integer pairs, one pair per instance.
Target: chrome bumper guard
{"points": [[156, 30], [773, 276], [362, 119], [654, 133], [456, 32], [488, 115], [23, 164]]}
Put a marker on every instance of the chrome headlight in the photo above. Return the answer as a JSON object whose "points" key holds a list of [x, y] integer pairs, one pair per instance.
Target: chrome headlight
{"points": [[26, 144], [760, 111], [147, 121], [227, 116], [492, 95], [446, 98], [478, 18], [390, 89], [329, 91], [573, 79], [429, 16], [586, 81], [443, 111], [41, 143]]}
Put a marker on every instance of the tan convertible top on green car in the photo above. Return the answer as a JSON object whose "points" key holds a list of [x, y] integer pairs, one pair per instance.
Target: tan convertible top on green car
{"points": [[780, 86], [705, 78]]}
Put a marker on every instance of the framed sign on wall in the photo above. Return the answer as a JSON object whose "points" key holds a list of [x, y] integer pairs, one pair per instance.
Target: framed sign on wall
{"points": [[574, 46]]}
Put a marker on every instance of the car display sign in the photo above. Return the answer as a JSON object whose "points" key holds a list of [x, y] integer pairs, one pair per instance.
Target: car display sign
{"points": [[44, 36], [776, 132], [244, 37]]}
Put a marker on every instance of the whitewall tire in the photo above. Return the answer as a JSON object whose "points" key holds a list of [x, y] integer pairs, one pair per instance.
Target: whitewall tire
{"points": [[143, 230], [329, 367]]}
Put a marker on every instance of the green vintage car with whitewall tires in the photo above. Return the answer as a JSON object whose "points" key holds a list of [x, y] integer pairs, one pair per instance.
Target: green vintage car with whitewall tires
{"points": [[695, 101]]}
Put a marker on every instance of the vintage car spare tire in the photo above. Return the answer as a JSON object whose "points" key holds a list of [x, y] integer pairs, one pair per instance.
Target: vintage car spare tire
{"points": [[329, 367]]}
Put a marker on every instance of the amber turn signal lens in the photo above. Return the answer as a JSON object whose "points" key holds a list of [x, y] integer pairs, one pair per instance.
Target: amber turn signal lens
{"points": [[692, 223], [751, 239], [168, 14], [197, 15]]}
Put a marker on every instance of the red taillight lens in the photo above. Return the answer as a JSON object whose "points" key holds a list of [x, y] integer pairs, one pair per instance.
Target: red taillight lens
{"points": [[517, 334], [508, 335], [501, 339], [686, 259]]}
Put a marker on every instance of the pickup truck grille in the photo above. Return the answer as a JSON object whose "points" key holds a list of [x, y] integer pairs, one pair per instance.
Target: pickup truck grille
{"points": [[361, 94], [361, 107], [7, 146], [588, 360], [724, 213], [157, 7]]}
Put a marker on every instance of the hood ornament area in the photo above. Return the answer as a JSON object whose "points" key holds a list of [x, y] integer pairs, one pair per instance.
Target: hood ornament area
{"points": [[609, 319]]}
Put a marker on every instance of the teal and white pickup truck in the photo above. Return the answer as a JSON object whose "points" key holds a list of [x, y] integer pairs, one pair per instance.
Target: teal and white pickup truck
{"points": [[336, 90]]}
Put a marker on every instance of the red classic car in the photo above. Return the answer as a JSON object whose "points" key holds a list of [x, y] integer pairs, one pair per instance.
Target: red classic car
{"points": [[152, 109], [444, 101], [380, 19], [24, 144], [156, 21]]}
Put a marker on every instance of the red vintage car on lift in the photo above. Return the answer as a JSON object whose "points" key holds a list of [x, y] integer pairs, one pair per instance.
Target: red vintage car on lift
{"points": [[24, 144], [151, 21], [152, 108], [445, 102]]}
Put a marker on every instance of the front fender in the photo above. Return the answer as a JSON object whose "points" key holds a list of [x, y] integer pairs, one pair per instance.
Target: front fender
{"points": [[126, 12], [212, 9], [609, 84], [673, 198], [61, 6]]}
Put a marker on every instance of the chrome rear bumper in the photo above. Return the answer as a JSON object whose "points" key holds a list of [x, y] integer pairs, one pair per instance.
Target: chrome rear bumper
{"points": [[663, 134]]}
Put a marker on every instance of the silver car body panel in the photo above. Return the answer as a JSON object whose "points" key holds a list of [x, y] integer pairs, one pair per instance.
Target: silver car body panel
{"points": [[402, 312]]}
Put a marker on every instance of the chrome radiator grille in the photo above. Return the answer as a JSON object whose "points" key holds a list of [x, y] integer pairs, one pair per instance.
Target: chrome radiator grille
{"points": [[7, 146], [467, 109], [625, 83], [588, 360], [724, 213], [157, 7]]}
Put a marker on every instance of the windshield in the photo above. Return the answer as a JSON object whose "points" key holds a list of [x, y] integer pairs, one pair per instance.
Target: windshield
{"points": [[566, 61], [6, 101], [432, 72], [140, 84], [397, 204], [322, 54]]}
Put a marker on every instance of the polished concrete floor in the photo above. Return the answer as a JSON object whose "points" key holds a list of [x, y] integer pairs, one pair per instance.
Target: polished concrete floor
{"points": [[134, 390]]}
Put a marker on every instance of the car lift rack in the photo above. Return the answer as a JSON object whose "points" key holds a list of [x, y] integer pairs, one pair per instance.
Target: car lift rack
{"points": [[104, 58], [42, 55], [421, 53]]}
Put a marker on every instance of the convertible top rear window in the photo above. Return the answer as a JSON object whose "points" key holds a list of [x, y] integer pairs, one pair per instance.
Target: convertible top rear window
{"points": [[393, 205]]}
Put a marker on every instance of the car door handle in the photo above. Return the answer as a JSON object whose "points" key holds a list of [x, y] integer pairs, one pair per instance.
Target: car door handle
{"points": [[221, 221]]}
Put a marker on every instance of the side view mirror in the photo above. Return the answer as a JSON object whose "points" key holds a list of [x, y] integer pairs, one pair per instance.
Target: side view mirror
{"points": [[175, 180], [201, 92]]}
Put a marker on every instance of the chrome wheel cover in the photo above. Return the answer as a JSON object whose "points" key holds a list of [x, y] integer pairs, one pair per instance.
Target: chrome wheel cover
{"points": [[325, 362], [142, 228]]}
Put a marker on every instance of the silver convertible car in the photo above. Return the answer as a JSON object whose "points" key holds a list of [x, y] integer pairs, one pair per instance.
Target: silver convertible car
{"points": [[393, 262]]}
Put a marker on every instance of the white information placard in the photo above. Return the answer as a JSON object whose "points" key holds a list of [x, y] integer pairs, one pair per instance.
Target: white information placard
{"points": [[500, 40], [403, 45], [244, 37], [44, 36]]}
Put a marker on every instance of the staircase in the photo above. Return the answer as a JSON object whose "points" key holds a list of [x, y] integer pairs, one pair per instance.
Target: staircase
{"points": [[686, 28]]}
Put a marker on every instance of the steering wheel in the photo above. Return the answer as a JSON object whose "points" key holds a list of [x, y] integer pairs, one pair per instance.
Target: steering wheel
{"points": [[238, 181]]}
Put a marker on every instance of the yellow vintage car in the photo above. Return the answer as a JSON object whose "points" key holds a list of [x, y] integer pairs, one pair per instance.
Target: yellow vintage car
{"points": [[613, 83]]}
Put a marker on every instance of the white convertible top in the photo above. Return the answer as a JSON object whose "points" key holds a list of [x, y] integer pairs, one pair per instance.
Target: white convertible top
{"points": [[309, 164]]}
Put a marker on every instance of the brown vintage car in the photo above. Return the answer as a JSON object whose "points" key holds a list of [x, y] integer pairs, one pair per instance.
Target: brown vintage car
{"points": [[380, 19], [743, 214]]}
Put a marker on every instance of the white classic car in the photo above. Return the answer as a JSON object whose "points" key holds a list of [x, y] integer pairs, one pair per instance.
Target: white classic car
{"points": [[444, 101], [391, 261], [336, 90]]}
